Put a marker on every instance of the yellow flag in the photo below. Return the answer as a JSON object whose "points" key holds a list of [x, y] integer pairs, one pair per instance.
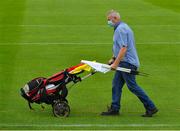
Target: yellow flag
{"points": [[83, 67]]}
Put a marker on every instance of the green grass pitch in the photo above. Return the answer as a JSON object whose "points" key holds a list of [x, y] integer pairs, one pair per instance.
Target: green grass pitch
{"points": [[42, 37]]}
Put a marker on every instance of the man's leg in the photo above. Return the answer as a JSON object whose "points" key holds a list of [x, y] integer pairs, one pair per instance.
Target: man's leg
{"points": [[117, 85], [134, 88], [138, 91]]}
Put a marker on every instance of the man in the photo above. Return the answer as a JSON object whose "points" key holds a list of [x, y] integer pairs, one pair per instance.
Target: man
{"points": [[125, 55]]}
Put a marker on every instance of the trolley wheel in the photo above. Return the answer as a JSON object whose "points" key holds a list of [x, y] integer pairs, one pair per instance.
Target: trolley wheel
{"points": [[64, 92], [61, 109]]}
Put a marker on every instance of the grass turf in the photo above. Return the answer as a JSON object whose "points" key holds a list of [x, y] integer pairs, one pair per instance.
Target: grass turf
{"points": [[41, 37]]}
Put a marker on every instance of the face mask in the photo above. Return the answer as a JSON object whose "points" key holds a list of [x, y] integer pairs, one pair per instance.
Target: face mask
{"points": [[110, 23]]}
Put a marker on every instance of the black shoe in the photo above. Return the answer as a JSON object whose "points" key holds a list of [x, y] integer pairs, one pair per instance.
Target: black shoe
{"points": [[110, 112], [150, 113]]}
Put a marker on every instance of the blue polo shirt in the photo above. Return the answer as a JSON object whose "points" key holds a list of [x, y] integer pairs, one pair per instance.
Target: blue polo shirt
{"points": [[124, 37]]}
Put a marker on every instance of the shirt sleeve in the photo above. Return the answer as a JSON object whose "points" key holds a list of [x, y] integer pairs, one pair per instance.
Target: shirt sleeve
{"points": [[123, 38]]}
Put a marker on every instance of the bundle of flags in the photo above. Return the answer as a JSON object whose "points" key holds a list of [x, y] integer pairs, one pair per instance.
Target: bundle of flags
{"points": [[99, 67]]}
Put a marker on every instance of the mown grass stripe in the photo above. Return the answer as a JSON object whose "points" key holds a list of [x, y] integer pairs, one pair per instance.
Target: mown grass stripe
{"points": [[48, 25], [85, 43], [90, 125]]}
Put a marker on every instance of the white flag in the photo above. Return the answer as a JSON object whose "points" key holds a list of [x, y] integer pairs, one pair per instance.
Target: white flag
{"points": [[104, 68]]}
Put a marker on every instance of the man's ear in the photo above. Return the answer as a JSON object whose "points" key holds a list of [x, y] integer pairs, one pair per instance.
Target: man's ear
{"points": [[115, 18]]}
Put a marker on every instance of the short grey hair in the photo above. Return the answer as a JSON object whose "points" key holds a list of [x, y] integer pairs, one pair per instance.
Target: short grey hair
{"points": [[113, 13]]}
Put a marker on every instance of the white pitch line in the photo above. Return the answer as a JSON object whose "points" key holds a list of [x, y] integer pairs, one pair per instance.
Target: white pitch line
{"points": [[90, 125], [85, 43]]}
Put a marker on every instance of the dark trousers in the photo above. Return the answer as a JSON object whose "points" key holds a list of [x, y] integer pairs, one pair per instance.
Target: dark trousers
{"points": [[120, 78]]}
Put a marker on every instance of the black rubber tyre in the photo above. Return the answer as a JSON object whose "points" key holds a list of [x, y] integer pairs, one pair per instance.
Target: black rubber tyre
{"points": [[61, 109]]}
